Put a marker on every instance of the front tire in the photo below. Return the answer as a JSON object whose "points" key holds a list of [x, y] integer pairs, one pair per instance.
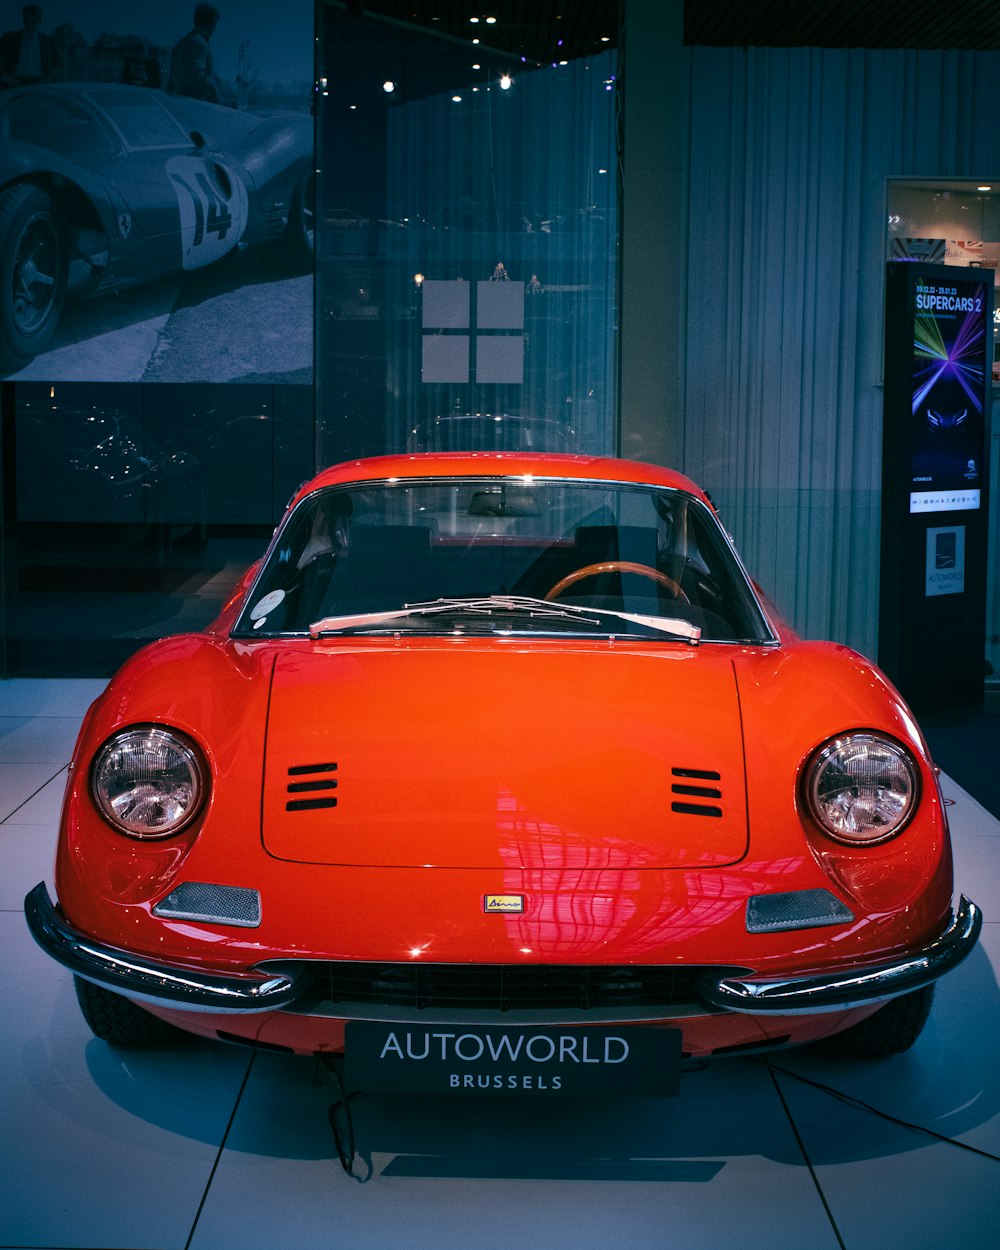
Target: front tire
{"points": [[32, 273], [117, 1020], [888, 1031]]}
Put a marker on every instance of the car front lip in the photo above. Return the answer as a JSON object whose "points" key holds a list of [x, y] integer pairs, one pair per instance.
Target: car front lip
{"points": [[169, 985]]}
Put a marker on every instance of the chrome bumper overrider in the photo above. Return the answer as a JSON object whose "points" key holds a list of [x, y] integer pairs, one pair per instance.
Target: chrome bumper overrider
{"points": [[164, 985], [856, 987]]}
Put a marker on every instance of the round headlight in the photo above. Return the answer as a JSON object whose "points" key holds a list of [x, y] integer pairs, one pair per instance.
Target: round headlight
{"points": [[862, 788], [148, 782]]}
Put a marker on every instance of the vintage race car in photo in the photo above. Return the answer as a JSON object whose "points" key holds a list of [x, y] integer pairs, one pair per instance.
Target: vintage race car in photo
{"points": [[500, 767], [104, 187]]}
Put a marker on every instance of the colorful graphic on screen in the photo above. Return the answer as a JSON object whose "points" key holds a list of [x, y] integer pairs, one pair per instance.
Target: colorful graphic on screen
{"points": [[949, 391]]}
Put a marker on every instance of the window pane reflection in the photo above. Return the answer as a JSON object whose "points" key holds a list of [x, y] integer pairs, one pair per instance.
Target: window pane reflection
{"points": [[466, 268]]}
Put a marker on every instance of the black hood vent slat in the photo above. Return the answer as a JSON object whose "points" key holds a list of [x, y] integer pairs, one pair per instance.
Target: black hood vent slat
{"points": [[315, 780], [692, 796]]}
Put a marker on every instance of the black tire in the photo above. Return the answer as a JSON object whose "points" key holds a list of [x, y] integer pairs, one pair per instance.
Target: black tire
{"points": [[32, 273], [889, 1031], [298, 239], [117, 1020]]}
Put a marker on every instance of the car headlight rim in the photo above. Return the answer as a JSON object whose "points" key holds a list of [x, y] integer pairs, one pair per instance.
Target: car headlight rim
{"points": [[861, 788], [149, 781]]}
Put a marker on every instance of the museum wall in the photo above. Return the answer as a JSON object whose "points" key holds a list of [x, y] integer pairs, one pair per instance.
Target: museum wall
{"points": [[779, 280], [790, 151]]}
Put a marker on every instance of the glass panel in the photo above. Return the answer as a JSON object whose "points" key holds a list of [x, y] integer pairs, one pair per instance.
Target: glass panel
{"points": [[467, 260], [511, 555], [61, 125], [137, 508], [141, 120]]}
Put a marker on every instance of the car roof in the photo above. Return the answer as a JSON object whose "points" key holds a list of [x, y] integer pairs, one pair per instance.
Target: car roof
{"points": [[500, 464]]}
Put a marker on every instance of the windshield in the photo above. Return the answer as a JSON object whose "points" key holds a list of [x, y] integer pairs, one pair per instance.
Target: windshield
{"points": [[502, 555]]}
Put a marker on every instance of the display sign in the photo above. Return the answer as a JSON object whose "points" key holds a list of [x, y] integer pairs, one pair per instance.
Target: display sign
{"points": [[932, 573], [949, 380], [515, 1059], [945, 569]]}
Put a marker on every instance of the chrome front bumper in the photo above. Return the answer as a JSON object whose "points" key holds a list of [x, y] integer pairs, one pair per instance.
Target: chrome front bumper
{"points": [[143, 979], [169, 985], [854, 987]]}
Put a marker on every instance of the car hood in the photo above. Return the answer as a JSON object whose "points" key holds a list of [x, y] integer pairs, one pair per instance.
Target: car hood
{"points": [[466, 755]]}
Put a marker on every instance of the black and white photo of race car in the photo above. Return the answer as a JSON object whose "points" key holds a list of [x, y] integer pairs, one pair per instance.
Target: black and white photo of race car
{"points": [[106, 186]]}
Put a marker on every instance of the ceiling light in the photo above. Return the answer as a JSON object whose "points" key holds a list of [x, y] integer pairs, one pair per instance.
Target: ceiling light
{"points": [[388, 86], [984, 188], [505, 82]]}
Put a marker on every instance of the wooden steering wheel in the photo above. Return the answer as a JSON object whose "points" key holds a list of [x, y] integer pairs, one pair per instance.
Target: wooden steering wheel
{"points": [[617, 566]]}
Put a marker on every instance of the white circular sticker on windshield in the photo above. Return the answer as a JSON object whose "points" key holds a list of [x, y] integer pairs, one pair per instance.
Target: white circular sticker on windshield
{"points": [[267, 604]]}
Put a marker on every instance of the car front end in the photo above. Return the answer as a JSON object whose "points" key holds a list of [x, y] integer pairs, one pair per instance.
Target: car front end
{"points": [[496, 744]]}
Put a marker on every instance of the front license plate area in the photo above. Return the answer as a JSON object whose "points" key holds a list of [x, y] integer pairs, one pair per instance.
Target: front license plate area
{"points": [[511, 1059]]}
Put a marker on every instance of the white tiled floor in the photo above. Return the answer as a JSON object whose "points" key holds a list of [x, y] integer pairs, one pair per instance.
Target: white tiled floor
{"points": [[208, 1147]]}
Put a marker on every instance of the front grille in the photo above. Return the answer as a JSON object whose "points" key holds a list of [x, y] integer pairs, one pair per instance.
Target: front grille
{"points": [[495, 988]]}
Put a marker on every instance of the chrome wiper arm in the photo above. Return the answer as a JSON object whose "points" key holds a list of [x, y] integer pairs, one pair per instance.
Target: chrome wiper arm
{"points": [[674, 626], [503, 603], [437, 607], [356, 620]]}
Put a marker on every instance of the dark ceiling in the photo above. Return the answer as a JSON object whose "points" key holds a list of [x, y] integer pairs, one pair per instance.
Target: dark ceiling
{"points": [[553, 30]]}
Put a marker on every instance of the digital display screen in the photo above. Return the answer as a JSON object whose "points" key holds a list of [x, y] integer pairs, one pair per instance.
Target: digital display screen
{"points": [[948, 394]]}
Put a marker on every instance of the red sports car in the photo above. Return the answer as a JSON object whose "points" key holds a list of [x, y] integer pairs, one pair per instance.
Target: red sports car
{"points": [[498, 773]]}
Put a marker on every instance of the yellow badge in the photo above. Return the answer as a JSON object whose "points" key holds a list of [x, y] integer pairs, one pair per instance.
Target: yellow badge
{"points": [[512, 904]]}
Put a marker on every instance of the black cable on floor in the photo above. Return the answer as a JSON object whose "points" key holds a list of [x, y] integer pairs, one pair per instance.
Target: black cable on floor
{"points": [[864, 1106], [342, 1122]]}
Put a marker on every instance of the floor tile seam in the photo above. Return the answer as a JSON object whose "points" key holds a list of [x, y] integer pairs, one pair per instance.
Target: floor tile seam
{"points": [[221, 1151], [29, 714], [60, 764], [813, 1174], [34, 795]]}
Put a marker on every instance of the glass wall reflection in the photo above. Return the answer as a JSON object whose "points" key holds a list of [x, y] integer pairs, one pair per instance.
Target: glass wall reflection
{"points": [[133, 509], [467, 232]]}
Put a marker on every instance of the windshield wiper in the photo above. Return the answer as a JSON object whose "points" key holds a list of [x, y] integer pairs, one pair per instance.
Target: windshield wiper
{"points": [[541, 608]]}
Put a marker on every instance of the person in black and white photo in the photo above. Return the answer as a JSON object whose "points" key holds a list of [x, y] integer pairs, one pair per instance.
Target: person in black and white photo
{"points": [[191, 71], [28, 56]]}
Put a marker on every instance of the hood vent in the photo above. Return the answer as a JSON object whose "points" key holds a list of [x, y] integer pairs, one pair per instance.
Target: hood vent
{"points": [[695, 788], [310, 786]]}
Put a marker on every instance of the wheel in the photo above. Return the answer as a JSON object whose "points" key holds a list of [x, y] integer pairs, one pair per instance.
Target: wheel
{"points": [[116, 1020], [32, 273], [617, 566], [299, 237], [889, 1031]]}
